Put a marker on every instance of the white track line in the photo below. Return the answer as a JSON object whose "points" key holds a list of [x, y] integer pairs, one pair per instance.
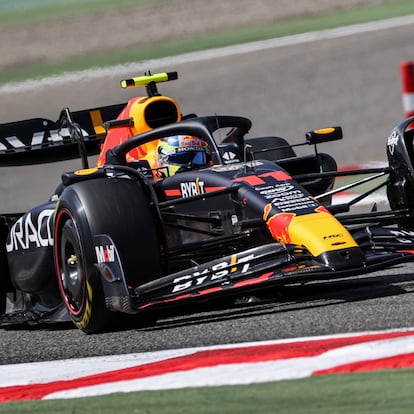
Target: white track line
{"points": [[137, 67]]}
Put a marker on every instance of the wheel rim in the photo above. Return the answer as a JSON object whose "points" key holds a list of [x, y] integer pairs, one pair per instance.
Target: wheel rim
{"points": [[72, 275]]}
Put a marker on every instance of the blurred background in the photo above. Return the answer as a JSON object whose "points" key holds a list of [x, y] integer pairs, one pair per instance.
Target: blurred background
{"points": [[74, 53]]}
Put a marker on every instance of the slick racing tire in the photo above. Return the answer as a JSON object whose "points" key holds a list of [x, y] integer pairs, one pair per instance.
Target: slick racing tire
{"points": [[120, 209], [3, 290], [5, 284], [3, 297]]}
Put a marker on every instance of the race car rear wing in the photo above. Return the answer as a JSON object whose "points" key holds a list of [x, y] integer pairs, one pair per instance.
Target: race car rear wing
{"points": [[74, 134]]}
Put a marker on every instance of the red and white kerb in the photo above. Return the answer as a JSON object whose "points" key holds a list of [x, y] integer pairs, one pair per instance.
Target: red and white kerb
{"points": [[407, 81]]}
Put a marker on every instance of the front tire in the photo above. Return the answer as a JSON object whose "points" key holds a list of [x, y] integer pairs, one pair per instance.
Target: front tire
{"points": [[120, 209], [79, 282]]}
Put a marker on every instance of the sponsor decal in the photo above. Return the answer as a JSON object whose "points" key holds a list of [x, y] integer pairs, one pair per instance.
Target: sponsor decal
{"points": [[38, 139], [215, 272], [333, 236], [403, 236], [266, 211], [235, 167], [192, 188], [286, 197], [105, 254], [230, 157], [278, 225], [107, 258], [31, 232], [193, 143], [188, 148], [176, 192], [392, 141]]}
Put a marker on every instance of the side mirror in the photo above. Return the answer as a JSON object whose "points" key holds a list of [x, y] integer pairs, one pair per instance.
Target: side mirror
{"points": [[320, 136]]}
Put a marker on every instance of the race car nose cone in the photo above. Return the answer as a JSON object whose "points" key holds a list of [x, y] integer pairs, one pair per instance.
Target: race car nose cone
{"points": [[350, 258]]}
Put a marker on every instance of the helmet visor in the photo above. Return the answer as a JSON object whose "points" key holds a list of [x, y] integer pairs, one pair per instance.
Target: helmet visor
{"points": [[183, 158]]}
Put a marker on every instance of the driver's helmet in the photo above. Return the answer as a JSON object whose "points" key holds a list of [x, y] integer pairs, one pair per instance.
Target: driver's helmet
{"points": [[181, 153]]}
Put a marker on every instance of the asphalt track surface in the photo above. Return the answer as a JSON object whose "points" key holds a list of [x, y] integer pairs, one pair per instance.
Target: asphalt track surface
{"points": [[352, 81]]}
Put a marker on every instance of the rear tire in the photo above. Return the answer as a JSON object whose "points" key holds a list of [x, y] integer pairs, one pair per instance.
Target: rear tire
{"points": [[3, 298], [120, 209], [5, 284]]}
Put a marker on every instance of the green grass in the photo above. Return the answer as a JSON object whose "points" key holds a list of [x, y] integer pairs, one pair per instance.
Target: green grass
{"points": [[205, 41], [382, 392], [361, 188], [23, 12]]}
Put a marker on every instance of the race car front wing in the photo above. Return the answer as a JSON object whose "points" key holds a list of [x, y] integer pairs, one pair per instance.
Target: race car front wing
{"points": [[256, 268]]}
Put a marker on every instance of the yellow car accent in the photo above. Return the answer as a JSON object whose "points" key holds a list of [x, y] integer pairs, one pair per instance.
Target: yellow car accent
{"points": [[324, 131], [145, 80], [86, 171], [320, 232], [97, 122]]}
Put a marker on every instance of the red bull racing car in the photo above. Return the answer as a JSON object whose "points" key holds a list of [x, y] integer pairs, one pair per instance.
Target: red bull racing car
{"points": [[183, 208]]}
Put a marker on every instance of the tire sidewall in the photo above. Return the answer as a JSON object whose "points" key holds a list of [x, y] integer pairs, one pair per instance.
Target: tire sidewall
{"points": [[85, 317], [120, 209]]}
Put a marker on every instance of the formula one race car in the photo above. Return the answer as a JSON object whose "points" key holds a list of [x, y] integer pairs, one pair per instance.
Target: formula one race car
{"points": [[184, 208]]}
